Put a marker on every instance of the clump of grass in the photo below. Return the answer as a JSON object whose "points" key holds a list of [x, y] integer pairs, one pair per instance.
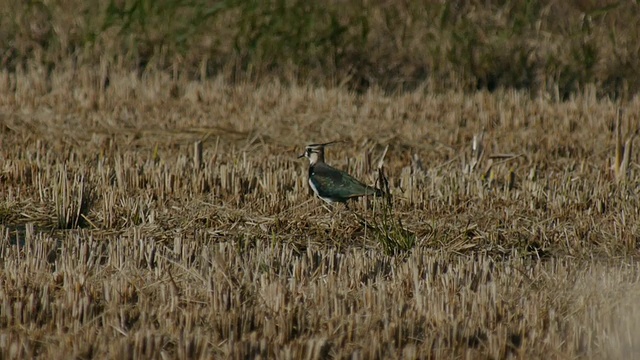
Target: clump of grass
{"points": [[389, 231], [386, 225], [71, 197]]}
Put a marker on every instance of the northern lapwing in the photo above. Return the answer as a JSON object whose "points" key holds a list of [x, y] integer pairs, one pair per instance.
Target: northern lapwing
{"points": [[331, 184]]}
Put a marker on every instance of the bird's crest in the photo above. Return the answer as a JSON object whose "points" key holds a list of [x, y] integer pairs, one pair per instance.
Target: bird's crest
{"points": [[315, 152]]}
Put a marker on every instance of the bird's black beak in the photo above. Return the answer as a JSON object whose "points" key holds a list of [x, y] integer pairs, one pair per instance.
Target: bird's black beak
{"points": [[301, 156]]}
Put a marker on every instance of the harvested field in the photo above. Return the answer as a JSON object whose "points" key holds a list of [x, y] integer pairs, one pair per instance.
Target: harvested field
{"points": [[120, 241]]}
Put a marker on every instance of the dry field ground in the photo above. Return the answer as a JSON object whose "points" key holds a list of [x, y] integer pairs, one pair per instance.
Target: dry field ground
{"points": [[115, 244]]}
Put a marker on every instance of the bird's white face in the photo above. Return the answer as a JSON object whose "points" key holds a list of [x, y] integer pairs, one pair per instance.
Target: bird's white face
{"points": [[314, 155]]}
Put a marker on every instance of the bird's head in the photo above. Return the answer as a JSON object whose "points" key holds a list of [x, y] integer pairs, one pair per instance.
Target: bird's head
{"points": [[315, 152]]}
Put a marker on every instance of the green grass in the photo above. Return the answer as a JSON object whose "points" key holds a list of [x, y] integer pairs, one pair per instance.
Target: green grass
{"points": [[389, 232], [553, 48]]}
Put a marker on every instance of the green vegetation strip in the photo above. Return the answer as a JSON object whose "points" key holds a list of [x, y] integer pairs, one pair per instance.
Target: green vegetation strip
{"points": [[548, 47]]}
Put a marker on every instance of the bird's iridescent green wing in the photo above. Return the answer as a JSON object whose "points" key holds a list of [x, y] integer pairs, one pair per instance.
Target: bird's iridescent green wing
{"points": [[333, 183]]}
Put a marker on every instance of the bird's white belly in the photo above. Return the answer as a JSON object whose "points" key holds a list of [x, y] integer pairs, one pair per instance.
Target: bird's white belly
{"points": [[315, 190]]}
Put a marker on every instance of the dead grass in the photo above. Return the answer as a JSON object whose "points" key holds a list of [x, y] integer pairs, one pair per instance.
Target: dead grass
{"points": [[115, 245]]}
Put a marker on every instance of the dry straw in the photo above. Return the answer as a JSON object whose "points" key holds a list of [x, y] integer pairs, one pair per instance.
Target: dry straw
{"points": [[140, 221]]}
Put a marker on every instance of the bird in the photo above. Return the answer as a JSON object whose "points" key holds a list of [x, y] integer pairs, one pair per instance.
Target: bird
{"points": [[331, 184]]}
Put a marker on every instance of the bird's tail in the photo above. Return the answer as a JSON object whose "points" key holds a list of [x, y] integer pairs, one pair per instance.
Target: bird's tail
{"points": [[374, 191]]}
